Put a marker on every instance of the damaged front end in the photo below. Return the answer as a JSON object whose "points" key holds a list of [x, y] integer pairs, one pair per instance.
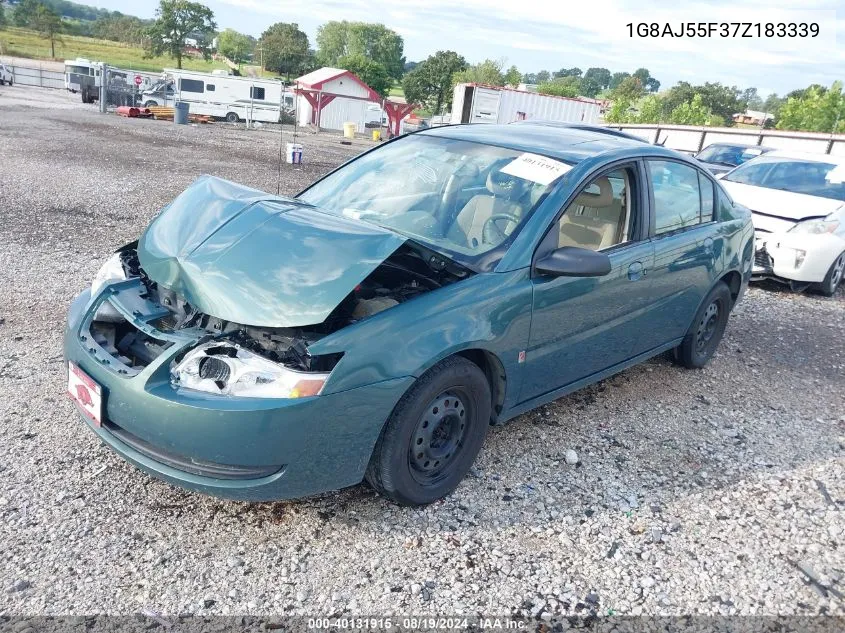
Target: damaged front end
{"points": [[137, 319]]}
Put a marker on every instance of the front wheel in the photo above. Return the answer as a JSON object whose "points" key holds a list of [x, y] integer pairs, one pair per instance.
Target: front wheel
{"points": [[705, 333], [833, 277], [232, 117], [433, 435]]}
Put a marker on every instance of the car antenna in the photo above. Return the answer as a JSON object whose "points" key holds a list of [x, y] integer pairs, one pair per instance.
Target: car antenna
{"points": [[662, 143]]}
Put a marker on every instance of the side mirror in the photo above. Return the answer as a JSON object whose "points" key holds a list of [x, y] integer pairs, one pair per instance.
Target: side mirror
{"points": [[574, 261]]}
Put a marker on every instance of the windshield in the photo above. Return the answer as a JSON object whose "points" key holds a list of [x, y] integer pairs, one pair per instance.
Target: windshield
{"points": [[728, 154], [466, 200], [825, 180]]}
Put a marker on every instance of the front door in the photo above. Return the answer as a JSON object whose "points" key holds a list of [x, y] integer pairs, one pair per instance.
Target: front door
{"points": [[583, 325]]}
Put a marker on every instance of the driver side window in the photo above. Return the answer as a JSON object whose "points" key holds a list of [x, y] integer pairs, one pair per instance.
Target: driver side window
{"points": [[600, 216]]}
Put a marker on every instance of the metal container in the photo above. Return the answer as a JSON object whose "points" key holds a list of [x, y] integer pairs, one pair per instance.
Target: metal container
{"points": [[180, 112]]}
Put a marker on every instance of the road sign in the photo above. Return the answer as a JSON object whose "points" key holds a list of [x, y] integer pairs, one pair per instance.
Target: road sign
{"points": [[138, 80]]}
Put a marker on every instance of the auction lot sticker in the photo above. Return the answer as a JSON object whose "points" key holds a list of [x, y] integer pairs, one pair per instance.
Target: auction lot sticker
{"points": [[536, 168]]}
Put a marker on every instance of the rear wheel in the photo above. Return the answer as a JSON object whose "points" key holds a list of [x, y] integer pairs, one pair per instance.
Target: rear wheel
{"points": [[151, 104], [705, 333], [232, 117], [833, 277], [433, 435]]}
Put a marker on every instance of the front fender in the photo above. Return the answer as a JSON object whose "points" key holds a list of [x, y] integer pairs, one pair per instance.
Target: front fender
{"points": [[489, 311]]}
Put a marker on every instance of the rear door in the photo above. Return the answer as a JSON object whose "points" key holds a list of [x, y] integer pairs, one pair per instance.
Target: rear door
{"points": [[688, 248]]}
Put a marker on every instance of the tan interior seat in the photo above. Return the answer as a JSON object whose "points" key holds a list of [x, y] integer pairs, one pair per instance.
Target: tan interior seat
{"points": [[594, 217], [470, 220]]}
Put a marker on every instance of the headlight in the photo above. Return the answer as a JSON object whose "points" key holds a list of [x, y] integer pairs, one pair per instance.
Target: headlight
{"points": [[112, 270], [226, 369], [816, 227]]}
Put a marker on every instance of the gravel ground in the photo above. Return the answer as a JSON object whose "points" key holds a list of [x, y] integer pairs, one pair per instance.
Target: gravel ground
{"points": [[695, 492]]}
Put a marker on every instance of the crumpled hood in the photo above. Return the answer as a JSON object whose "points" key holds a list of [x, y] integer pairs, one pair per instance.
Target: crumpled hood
{"points": [[782, 204], [246, 256]]}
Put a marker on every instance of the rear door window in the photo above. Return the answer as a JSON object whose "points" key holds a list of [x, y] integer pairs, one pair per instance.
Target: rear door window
{"points": [[677, 196]]}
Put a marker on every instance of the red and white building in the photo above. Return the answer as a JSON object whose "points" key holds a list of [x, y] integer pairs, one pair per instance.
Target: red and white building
{"points": [[329, 97]]}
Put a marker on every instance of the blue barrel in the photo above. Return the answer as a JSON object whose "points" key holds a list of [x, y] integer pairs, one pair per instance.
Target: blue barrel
{"points": [[180, 115]]}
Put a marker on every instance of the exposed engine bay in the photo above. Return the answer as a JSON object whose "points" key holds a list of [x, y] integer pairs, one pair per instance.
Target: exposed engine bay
{"points": [[410, 271]]}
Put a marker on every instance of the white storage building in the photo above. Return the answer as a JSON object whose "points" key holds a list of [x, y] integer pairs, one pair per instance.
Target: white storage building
{"points": [[477, 103]]}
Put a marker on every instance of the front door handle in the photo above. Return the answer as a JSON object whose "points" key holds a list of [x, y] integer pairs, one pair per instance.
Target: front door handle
{"points": [[635, 271], [708, 244]]}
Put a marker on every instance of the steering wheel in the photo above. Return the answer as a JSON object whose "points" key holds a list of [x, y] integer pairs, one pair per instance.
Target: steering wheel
{"points": [[492, 234]]}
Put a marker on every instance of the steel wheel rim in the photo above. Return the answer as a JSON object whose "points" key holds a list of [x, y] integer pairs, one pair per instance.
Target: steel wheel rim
{"points": [[439, 436], [707, 326]]}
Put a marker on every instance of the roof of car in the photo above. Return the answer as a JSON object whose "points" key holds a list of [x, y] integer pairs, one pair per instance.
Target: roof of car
{"points": [[749, 145], [807, 156], [569, 143]]}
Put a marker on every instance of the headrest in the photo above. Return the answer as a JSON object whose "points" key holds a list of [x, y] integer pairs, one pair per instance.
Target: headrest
{"points": [[599, 193], [503, 185]]}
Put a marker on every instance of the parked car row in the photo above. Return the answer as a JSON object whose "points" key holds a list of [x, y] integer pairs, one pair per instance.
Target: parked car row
{"points": [[797, 202]]}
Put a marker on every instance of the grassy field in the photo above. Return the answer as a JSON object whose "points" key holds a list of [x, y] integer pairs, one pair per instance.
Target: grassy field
{"points": [[25, 43]]}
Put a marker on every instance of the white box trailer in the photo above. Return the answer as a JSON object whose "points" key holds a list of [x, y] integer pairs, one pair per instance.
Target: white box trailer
{"points": [[84, 76], [221, 96], [476, 103]]}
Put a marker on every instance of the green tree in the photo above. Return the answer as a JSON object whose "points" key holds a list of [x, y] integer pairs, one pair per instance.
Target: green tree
{"points": [[48, 24], [236, 46], [594, 81], [284, 49], [369, 71], [376, 42], [430, 83], [569, 86], [24, 13], [616, 79], [630, 89], [121, 28], [487, 72], [649, 110], [568, 72], [692, 113], [773, 104], [512, 76], [2, 16], [752, 100], [818, 110], [620, 112], [542, 77], [175, 21]]}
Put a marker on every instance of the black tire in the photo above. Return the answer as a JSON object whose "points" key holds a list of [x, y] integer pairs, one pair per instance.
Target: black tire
{"points": [[708, 326], [444, 418], [232, 117], [833, 278], [151, 104]]}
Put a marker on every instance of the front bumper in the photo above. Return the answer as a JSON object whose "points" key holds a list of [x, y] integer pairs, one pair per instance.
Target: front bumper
{"points": [[775, 256], [239, 448]]}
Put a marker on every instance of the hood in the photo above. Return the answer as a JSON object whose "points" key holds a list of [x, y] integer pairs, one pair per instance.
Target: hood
{"points": [[779, 203], [246, 256]]}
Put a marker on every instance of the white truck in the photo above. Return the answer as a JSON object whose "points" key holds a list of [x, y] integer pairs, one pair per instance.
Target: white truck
{"points": [[222, 96]]}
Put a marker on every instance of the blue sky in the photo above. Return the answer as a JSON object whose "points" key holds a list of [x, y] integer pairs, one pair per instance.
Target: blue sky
{"points": [[551, 34]]}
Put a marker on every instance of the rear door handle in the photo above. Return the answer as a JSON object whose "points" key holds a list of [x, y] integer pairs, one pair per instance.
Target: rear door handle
{"points": [[635, 271]]}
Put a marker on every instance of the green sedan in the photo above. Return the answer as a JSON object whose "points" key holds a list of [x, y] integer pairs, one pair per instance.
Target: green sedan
{"points": [[257, 347]]}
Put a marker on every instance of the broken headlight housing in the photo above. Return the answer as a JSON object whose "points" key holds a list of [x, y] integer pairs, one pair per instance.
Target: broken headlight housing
{"points": [[224, 368], [816, 226], [111, 270]]}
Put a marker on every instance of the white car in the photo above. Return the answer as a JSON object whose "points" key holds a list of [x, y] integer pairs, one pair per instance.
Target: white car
{"points": [[798, 206], [6, 76]]}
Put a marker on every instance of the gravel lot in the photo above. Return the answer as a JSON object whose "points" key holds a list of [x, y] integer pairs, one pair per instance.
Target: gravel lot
{"points": [[696, 492]]}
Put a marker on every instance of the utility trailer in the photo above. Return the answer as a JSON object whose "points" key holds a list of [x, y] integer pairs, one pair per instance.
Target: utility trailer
{"points": [[478, 103], [222, 96]]}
